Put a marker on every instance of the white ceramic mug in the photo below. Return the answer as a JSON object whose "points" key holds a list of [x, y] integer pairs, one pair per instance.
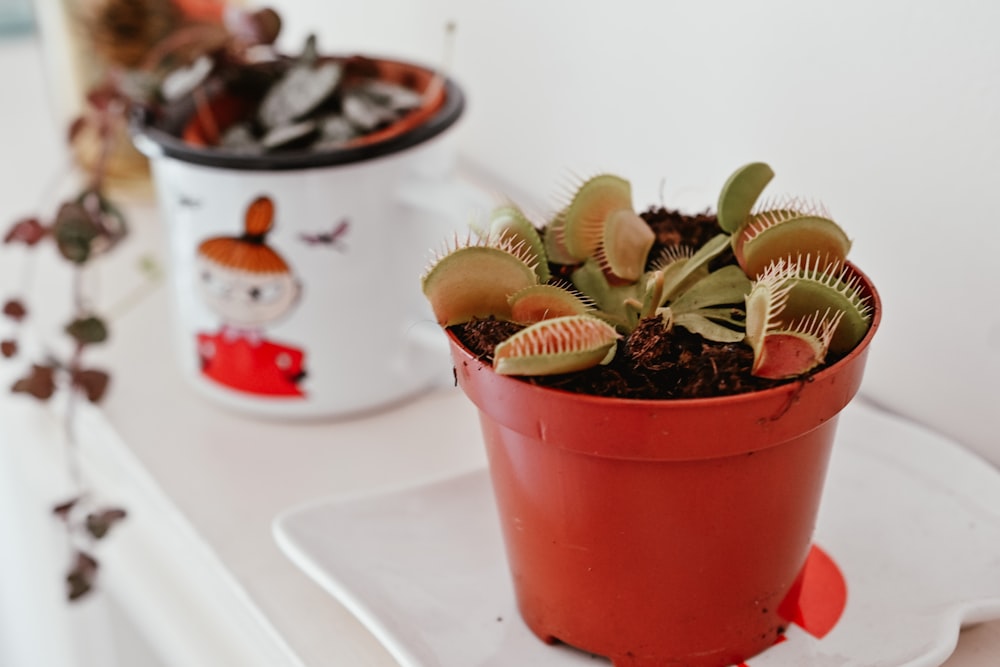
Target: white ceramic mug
{"points": [[295, 277]]}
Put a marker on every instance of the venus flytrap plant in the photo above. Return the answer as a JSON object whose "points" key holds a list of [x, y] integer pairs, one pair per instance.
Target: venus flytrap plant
{"points": [[785, 290]]}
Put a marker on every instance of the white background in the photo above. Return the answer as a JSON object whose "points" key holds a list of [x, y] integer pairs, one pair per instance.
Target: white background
{"points": [[888, 112]]}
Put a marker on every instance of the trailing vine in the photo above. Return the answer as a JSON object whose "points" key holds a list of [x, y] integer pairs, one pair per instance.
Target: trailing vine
{"points": [[84, 229], [88, 224]]}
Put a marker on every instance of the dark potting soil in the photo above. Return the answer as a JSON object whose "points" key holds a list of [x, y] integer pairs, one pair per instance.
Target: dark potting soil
{"points": [[651, 362]]}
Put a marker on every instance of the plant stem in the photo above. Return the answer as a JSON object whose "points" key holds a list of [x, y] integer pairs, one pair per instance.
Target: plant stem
{"points": [[69, 423]]}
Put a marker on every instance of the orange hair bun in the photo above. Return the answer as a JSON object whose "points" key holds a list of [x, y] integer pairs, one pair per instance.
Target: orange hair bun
{"points": [[259, 217], [248, 252]]}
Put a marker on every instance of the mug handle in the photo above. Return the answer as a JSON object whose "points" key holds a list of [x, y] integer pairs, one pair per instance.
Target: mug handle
{"points": [[438, 210]]}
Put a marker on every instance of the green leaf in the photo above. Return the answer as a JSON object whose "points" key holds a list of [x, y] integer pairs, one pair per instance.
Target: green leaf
{"points": [[99, 523], [706, 328], [727, 285], [74, 232], [508, 222], [88, 330], [611, 301], [740, 193], [677, 280], [735, 317]]}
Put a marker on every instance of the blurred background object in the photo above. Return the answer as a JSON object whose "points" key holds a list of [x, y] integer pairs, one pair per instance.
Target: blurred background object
{"points": [[16, 17], [87, 43]]}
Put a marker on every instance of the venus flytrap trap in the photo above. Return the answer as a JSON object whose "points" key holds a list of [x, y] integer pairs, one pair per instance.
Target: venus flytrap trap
{"points": [[772, 277], [541, 302], [558, 345], [508, 222], [788, 227], [783, 347], [784, 227], [476, 278]]}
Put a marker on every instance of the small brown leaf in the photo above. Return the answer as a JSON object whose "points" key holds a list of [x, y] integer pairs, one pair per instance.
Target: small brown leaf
{"points": [[75, 128], [63, 509], [99, 523], [267, 25], [81, 576], [94, 383], [8, 348], [40, 383], [15, 310], [101, 97], [28, 231]]}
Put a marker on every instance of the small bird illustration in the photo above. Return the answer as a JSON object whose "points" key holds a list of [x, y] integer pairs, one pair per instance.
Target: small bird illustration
{"points": [[332, 238], [188, 202]]}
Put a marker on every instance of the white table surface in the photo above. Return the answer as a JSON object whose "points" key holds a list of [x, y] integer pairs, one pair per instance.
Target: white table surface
{"points": [[196, 565]]}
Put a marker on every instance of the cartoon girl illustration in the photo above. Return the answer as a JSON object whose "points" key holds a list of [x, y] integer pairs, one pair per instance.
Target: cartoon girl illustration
{"points": [[248, 285]]}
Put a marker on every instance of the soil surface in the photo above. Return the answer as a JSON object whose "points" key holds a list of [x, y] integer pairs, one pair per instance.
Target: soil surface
{"points": [[651, 362]]}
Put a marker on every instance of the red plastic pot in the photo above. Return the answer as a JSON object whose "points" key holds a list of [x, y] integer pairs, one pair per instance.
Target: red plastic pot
{"points": [[659, 532]]}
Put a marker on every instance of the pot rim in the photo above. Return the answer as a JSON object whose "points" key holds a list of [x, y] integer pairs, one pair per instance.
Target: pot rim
{"points": [[686, 429], [780, 391], [154, 141]]}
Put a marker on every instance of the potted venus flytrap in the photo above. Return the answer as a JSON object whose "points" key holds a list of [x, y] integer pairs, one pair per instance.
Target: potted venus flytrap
{"points": [[658, 396]]}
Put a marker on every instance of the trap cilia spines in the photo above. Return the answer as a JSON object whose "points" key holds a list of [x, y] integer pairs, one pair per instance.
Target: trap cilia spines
{"points": [[789, 293]]}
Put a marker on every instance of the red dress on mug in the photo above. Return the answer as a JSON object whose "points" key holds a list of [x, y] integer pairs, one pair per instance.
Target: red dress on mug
{"points": [[245, 361]]}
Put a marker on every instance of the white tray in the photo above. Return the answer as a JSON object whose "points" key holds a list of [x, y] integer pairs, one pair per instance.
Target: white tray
{"points": [[911, 519]]}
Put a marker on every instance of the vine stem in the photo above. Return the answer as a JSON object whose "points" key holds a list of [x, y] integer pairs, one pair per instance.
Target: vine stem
{"points": [[69, 427], [69, 420]]}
